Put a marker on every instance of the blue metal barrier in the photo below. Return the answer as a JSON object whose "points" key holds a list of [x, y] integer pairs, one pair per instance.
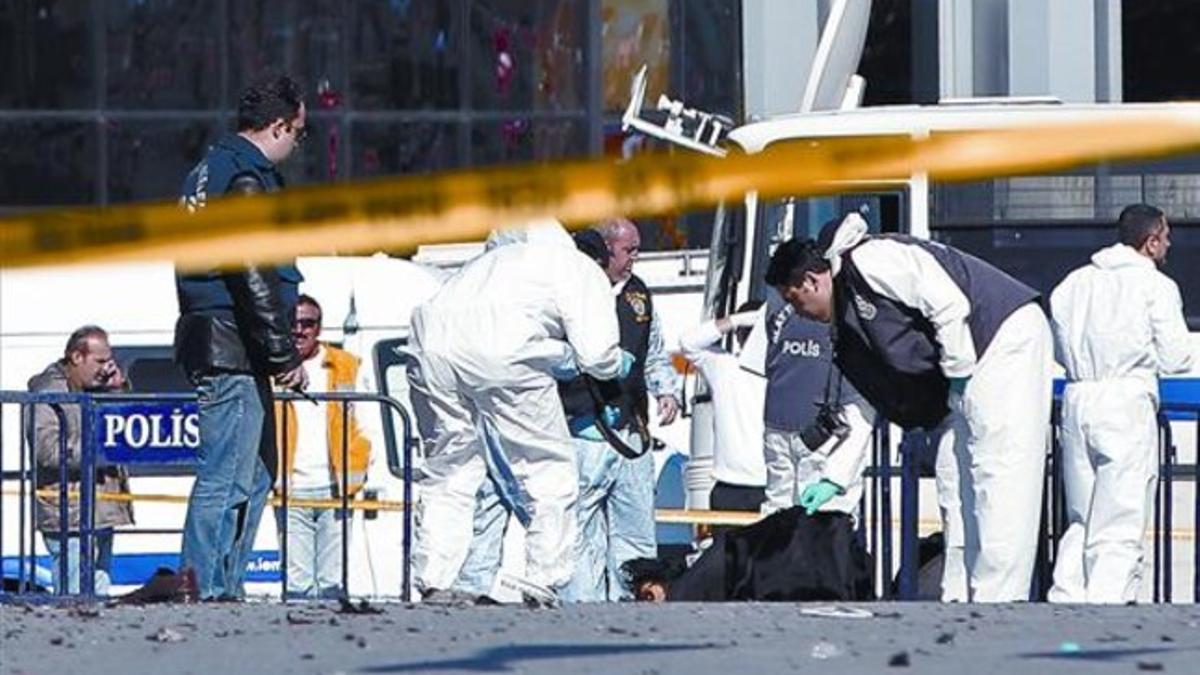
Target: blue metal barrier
{"points": [[99, 449], [1053, 525]]}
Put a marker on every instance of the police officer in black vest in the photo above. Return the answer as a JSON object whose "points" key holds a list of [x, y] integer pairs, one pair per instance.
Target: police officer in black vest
{"points": [[609, 421], [233, 335], [930, 335]]}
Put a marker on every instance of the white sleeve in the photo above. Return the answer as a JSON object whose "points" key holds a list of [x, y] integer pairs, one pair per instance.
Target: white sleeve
{"points": [[1171, 339], [661, 378], [588, 311], [847, 461], [699, 342], [753, 357], [910, 275]]}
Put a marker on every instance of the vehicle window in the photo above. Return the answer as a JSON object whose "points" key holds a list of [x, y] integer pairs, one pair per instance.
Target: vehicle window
{"points": [[783, 219]]}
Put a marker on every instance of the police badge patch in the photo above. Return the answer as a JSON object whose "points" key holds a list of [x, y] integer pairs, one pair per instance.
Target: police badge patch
{"points": [[637, 302], [865, 309]]}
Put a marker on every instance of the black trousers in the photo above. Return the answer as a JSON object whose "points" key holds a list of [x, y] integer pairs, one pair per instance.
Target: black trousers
{"points": [[730, 497]]}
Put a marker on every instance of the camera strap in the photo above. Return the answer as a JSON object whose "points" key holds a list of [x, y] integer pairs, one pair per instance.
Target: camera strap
{"points": [[607, 432]]}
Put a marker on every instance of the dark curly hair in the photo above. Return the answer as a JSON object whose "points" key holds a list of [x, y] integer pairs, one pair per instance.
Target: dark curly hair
{"points": [[792, 260], [270, 98]]}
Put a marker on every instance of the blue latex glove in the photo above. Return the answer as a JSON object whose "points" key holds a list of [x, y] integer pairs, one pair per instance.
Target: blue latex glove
{"points": [[815, 495], [627, 361], [566, 371], [611, 415], [959, 384]]}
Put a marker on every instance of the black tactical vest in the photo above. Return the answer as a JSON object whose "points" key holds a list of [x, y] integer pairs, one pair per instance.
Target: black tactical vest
{"points": [[634, 312], [889, 351]]}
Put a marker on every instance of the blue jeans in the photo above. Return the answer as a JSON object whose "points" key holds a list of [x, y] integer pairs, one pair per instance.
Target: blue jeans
{"points": [[314, 546], [616, 518], [232, 481], [478, 573], [102, 546]]}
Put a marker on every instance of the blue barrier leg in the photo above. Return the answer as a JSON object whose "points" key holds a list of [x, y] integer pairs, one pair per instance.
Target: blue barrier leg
{"points": [[885, 506], [408, 518], [1195, 521], [910, 484], [1168, 469], [873, 534], [30, 479], [64, 514], [345, 501], [1156, 584], [87, 491], [20, 500], [284, 473]]}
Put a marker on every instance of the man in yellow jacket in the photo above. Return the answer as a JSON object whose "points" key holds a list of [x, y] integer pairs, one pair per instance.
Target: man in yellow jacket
{"points": [[310, 437]]}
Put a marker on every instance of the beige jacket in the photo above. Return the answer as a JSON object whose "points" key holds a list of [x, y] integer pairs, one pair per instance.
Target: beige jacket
{"points": [[45, 429]]}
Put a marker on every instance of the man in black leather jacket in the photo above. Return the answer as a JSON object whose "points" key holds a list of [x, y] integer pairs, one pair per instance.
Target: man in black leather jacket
{"points": [[232, 337]]}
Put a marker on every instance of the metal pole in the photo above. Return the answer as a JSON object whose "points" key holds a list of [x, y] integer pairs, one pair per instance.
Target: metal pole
{"points": [[885, 506], [345, 490], [874, 534], [1168, 471], [408, 504], [1058, 501], [1042, 572], [284, 472], [87, 486], [910, 485], [1158, 512], [1196, 519], [64, 515], [21, 532], [20, 499]]}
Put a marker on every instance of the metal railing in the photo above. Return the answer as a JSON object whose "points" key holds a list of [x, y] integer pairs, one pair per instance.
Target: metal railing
{"points": [[878, 511], [1054, 519], [90, 457]]}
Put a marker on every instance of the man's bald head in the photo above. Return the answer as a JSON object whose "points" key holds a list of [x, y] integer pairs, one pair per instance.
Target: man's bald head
{"points": [[624, 244]]}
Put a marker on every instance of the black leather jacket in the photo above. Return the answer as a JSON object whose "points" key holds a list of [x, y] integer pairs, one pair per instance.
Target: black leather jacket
{"points": [[235, 321]]}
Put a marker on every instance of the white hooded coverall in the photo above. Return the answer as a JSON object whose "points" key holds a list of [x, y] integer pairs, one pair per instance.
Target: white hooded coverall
{"points": [[484, 398], [1118, 325], [990, 469]]}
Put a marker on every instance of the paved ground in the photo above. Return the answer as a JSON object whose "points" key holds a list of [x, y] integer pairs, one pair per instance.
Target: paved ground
{"points": [[684, 638]]}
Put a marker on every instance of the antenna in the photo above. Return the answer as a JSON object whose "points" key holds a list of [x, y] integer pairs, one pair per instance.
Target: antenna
{"points": [[830, 83], [706, 129]]}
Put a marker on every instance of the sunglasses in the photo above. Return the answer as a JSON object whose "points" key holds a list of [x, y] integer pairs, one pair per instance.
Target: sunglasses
{"points": [[298, 133]]}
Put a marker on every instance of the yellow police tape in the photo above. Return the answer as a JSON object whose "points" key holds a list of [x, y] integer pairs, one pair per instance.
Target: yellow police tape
{"points": [[663, 516], [399, 214], [683, 516]]}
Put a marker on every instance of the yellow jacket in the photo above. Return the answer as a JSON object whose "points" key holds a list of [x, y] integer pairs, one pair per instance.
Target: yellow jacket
{"points": [[342, 368]]}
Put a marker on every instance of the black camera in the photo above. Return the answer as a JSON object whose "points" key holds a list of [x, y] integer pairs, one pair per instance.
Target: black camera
{"points": [[830, 422]]}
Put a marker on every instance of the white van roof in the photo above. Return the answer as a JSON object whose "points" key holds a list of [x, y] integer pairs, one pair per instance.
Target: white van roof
{"points": [[929, 119]]}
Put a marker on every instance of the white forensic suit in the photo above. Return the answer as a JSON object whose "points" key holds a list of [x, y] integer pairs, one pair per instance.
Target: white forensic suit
{"points": [[1118, 325], [911, 311], [484, 399]]}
